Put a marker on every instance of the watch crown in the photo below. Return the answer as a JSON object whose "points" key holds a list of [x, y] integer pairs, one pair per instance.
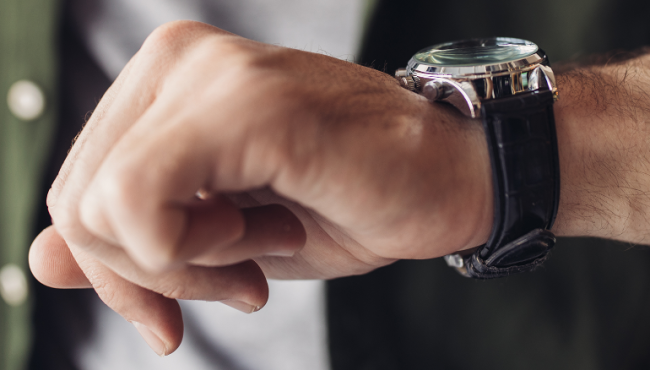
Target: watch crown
{"points": [[401, 72], [409, 82]]}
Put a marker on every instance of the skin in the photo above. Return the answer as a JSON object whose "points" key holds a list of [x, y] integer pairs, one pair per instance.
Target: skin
{"points": [[215, 162]]}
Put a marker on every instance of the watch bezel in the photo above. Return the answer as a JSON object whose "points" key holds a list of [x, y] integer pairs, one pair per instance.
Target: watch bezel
{"points": [[424, 70], [465, 70]]}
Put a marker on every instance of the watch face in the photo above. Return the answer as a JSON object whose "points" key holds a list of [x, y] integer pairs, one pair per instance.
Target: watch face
{"points": [[476, 52]]}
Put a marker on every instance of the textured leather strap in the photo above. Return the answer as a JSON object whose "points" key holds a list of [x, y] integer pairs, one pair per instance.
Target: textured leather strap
{"points": [[520, 132]]}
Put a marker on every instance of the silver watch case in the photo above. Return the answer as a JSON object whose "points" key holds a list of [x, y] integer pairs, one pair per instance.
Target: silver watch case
{"points": [[466, 87]]}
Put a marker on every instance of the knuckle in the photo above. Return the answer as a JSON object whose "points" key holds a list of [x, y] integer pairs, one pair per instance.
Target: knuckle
{"points": [[171, 36], [120, 189], [93, 218], [55, 192], [168, 34], [67, 224]]}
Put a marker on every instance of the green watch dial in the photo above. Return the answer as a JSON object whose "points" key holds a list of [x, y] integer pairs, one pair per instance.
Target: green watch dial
{"points": [[476, 52]]}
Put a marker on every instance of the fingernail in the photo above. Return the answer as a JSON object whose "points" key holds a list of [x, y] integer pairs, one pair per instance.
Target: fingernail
{"points": [[281, 253], [203, 194], [152, 339], [241, 306]]}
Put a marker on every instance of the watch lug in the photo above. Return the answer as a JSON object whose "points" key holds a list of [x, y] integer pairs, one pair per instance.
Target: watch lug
{"points": [[550, 80], [543, 76], [460, 94]]}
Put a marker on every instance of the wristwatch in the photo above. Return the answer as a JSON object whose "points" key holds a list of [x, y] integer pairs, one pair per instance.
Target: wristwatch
{"points": [[508, 84]]}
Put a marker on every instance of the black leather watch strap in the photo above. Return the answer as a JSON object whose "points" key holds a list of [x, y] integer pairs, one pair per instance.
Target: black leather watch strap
{"points": [[522, 143]]}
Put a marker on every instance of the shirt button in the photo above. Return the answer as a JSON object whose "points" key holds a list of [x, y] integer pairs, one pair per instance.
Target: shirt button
{"points": [[13, 285], [26, 100]]}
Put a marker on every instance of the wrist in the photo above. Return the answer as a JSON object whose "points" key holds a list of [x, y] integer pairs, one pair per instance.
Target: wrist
{"points": [[604, 148]]}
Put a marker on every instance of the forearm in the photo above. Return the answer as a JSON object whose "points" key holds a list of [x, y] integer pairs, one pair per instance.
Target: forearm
{"points": [[603, 124]]}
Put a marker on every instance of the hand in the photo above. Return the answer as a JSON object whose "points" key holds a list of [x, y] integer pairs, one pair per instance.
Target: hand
{"points": [[372, 173], [365, 171]]}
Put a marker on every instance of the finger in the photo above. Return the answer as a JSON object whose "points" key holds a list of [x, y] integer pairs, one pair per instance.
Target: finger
{"points": [[211, 223], [140, 198], [118, 107], [243, 282], [158, 319], [203, 224], [53, 265], [126, 101], [143, 196], [82, 137], [271, 230]]}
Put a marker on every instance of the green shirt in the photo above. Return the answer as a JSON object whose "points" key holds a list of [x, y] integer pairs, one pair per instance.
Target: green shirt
{"points": [[28, 30]]}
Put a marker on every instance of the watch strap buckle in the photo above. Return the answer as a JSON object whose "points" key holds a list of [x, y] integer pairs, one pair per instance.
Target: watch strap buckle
{"points": [[523, 254]]}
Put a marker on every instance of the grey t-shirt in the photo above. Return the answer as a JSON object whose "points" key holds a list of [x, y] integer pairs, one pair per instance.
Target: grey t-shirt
{"points": [[115, 29], [290, 332]]}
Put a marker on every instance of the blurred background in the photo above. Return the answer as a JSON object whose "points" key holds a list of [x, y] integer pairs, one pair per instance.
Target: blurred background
{"points": [[584, 310]]}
